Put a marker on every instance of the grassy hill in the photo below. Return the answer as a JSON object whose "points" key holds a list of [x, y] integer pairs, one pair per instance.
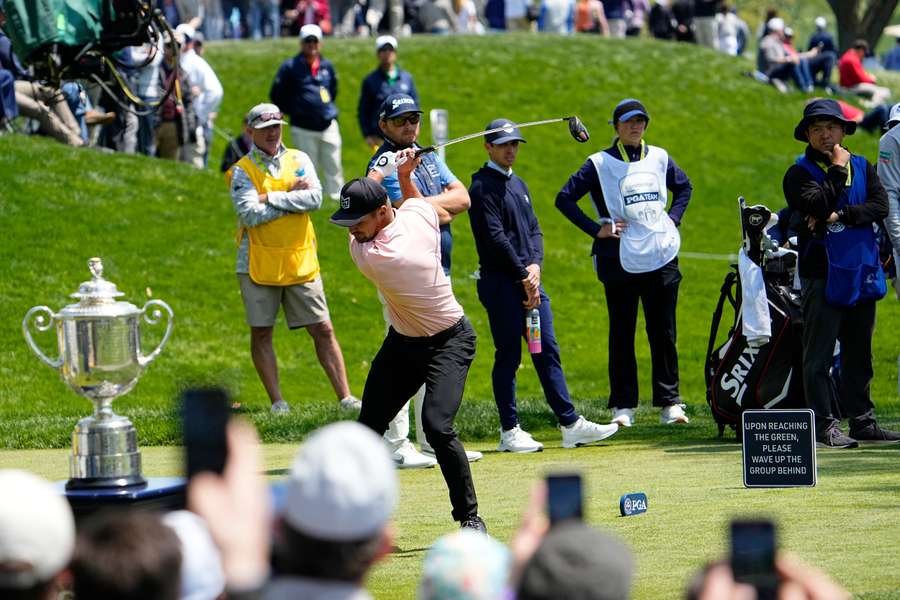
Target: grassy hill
{"points": [[166, 229]]}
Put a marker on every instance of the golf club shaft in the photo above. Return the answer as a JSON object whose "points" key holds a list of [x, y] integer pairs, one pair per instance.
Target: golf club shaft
{"points": [[471, 136]]}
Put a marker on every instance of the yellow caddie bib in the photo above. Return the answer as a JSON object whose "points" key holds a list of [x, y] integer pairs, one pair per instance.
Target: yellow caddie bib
{"points": [[283, 251]]}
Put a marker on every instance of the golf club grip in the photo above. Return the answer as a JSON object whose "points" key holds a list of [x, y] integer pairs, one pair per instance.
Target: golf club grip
{"points": [[425, 150]]}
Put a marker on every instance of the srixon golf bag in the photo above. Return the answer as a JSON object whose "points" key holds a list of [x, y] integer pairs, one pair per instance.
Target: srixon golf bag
{"points": [[741, 375]]}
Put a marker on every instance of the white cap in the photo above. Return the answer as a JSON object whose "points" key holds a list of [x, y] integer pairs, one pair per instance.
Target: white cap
{"points": [[775, 24], [385, 40], [37, 531], [265, 115], [311, 30], [788, 32], [202, 577], [184, 33], [821, 23], [894, 116], [343, 484]]}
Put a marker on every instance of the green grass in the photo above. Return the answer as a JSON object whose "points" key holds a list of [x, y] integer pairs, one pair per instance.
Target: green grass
{"points": [[166, 230], [846, 525]]}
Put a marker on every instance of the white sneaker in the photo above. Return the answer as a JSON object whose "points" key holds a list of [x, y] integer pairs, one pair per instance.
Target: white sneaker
{"points": [[583, 432], [281, 407], [673, 414], [351, 402], [623, 416], [407, 457], [471, 455], [518, 440]]}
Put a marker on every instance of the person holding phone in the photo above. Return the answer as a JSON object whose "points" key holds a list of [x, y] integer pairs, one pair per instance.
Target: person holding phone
{"points": [[510, 249], [635, 251], [273, 190], [839, 195], [430, 341]]}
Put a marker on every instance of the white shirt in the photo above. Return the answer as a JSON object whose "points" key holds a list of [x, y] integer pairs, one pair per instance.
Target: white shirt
{"points": [[200, 74]]}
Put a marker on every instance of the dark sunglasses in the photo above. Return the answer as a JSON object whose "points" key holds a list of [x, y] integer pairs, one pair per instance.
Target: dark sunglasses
{"points": [[412, 119], [266, 117]]}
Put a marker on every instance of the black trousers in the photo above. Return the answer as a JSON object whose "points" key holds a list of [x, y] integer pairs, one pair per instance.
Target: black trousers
{"points": [[824, 324], [441, 362], [657, 292]]}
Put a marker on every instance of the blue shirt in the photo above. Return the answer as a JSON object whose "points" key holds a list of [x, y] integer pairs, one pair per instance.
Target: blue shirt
{"points": [[308, 99], [824, 38], [375, 88], [891, 60]]}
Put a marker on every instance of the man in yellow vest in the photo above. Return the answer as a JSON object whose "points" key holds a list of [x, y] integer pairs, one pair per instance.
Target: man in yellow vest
{"points": [[273, 189]]}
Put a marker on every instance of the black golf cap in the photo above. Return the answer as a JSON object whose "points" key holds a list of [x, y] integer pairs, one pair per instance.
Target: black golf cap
{"points": [[359, 197], [628, 108], [396, 105], [509, 133], [818, 110]]}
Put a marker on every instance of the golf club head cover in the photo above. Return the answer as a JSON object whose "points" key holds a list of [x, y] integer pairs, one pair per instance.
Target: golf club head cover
{"points": [[387, 163]]}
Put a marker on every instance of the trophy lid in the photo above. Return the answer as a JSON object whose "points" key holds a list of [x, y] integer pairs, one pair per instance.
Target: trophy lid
{"points": [[97, 297]]}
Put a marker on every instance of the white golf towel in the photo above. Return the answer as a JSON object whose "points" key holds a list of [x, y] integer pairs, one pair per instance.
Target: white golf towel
{"points": [[755, 321]]}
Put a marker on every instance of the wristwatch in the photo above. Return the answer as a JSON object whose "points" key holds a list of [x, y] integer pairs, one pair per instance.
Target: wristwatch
{"points": [[605, 221]]}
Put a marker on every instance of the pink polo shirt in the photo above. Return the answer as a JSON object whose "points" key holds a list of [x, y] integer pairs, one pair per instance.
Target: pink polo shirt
{"points": [[404, 263]]}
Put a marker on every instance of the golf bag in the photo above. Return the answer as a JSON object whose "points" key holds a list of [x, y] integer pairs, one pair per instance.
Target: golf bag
{"points": [[741, 375]]}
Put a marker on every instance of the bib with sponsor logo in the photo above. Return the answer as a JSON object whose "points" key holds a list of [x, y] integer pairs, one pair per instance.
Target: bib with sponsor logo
{"points": [[635, 192]]}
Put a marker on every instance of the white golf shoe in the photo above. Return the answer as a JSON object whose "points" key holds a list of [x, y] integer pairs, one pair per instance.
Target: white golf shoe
{"points": [[281, 407], [518, 440], [351, 403], [583, 432], [673, 414], [407, 457], [471, 455], [624, 417]]}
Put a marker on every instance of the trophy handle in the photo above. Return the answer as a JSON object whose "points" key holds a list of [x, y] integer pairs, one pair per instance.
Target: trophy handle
{"points": [[41, 324], [153, 318]]}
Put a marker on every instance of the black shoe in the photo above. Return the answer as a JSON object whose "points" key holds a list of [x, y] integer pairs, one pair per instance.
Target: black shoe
{"points": [[835, 438], [475, 523], [873, 434]]}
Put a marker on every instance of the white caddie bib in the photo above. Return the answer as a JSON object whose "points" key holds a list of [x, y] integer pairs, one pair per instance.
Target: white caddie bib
{"points": [[635, 192]]}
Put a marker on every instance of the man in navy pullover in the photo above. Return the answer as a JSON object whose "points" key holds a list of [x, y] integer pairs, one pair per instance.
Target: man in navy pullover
{"points": [[511, 251], [387, 79], [656, 288], [305, 89]]}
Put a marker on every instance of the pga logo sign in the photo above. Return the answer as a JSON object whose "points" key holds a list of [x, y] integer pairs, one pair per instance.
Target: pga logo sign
{"points": [[633, 504]]}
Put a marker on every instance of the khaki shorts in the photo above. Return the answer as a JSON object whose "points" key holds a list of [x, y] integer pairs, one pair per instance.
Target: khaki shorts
{"points": [[304, 303]]}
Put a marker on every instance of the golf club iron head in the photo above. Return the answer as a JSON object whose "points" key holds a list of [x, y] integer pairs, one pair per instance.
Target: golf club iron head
{"points": [[578, 130]]}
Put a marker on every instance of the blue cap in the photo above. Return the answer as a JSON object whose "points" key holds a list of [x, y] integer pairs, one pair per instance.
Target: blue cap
{"points": [[509, 133], [398, 104], [627, 109]]}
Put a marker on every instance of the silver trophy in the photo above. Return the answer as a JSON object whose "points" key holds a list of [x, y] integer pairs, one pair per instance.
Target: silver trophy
{"points": [[100, 358]]}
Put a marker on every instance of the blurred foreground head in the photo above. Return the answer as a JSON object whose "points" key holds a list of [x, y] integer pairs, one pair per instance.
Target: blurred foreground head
{"points": [[465, 565], [37, 535]]}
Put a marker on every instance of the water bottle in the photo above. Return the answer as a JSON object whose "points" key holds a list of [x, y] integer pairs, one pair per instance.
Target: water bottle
{"points": [[533, 330], [300, 172]]}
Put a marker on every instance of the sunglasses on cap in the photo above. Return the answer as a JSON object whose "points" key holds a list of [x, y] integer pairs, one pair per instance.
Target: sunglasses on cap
{"points": [[400, 121], [266, 117]]}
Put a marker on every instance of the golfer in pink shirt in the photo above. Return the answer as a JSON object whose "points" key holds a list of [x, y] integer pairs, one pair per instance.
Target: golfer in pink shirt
{"points": [[430, 340]]}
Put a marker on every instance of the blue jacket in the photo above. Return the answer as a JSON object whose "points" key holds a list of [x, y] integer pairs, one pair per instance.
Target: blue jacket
{"points": [[9, 60], [506, 231], [307, 99], [375, 88]]}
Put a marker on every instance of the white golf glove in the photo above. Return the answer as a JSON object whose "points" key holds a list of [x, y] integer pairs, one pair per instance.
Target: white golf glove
{"points": [[387, 163]]}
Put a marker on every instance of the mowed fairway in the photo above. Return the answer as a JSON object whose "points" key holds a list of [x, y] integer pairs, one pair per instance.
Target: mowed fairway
{"points": [[165, 230]]}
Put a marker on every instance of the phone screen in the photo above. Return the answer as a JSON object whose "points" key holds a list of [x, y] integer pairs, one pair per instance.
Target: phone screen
{"points": [[564, 499], [204, 414], [753, 555]]}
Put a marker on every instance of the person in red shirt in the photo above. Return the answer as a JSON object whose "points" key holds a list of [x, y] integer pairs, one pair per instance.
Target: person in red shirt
{"points": [[856, 79]]}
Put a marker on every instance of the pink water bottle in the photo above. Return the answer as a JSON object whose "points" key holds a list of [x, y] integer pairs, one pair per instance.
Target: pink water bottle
{"points": [[533, 330]]}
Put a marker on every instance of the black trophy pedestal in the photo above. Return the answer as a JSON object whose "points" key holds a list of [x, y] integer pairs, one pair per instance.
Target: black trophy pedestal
{"points": [[158, 493]]}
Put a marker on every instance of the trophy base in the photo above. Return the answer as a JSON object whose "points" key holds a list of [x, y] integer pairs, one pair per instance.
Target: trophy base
{"points": [[104, 453], [157, 494], [93, 483]]}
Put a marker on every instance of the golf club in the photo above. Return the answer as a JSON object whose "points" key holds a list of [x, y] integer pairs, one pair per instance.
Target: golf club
{"points": [[576, 128]]}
